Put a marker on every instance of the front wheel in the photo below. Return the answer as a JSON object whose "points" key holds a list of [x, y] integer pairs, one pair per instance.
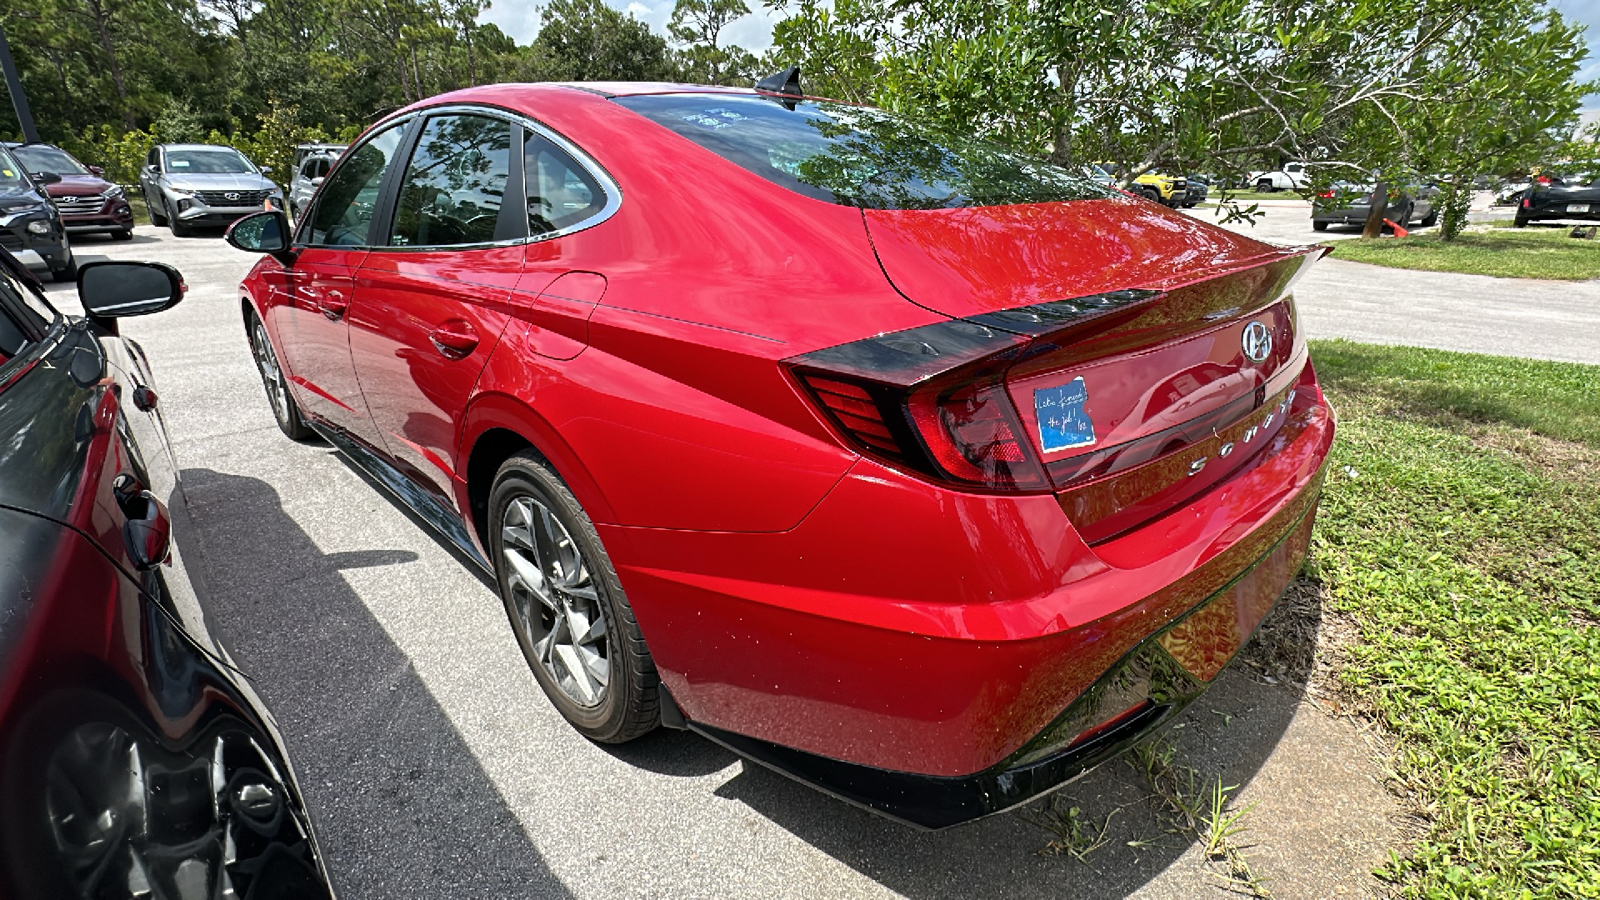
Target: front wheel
{"points": [[284, 409], [154, 209], [68, 272], [1431, 219], [122, 234], [179, 227], [561, 593]]}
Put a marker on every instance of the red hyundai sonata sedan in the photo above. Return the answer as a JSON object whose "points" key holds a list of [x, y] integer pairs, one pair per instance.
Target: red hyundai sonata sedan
{"points": [[921, 471]]}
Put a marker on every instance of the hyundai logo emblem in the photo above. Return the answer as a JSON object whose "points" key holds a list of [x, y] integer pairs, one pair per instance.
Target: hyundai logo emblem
{"points": [[1257, 342], [232, 195]]}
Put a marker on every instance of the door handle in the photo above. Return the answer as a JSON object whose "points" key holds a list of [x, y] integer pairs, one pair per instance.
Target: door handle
{"points": [[454, 339], [333, 304]]}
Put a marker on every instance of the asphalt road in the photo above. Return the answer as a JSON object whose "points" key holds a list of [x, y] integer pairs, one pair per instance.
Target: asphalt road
{"points": [[435, 768], [1557, 320]]}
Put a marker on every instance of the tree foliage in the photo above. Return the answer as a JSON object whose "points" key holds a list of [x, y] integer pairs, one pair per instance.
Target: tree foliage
{"points": [[1360, 86]]}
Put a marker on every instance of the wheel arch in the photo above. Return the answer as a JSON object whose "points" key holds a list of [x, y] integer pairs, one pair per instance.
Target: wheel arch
{"points": [[496, 427]]}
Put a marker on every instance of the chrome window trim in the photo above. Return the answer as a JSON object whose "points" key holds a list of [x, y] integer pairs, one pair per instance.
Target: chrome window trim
{"points": [[608, 185]]}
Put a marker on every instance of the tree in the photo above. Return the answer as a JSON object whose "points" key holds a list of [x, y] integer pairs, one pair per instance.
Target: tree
{"points": [[698, 25], [1193, 85], [586, 40]]}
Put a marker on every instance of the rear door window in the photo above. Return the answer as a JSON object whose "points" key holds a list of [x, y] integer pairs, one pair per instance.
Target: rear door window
{"points": [[858, 156], [455, 184]]}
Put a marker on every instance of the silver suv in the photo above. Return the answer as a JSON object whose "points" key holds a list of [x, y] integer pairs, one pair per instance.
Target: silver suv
{"points": [[309, 170], [189, 185]]}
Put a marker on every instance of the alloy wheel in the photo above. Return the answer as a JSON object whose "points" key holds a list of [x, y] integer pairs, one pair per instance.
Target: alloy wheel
{"points": [[556, 600], [271, 374]]}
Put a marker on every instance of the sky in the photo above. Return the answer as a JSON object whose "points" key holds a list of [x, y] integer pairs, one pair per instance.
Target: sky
{"points": [[520, 20]]}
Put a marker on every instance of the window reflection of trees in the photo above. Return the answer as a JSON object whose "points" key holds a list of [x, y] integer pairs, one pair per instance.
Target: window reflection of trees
{"points": [[455, 183], [858, 156]]}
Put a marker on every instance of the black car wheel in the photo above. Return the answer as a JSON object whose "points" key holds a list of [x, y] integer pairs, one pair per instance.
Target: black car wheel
{"points": [[122, 234], [1431, 219], [179, 227], [155, 210], [1521, 221], [566, 606], [279, 396], [1319, 226], [68, 272]]}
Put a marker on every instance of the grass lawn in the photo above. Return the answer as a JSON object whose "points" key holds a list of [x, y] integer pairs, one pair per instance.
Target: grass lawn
{"points": [[1460, 536], [1216, 195], [141, 216], [1508, 253]]}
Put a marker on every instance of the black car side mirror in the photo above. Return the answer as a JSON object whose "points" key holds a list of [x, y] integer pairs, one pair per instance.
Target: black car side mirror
{"points": [[45, 177], [114, 290], [263, 232]]}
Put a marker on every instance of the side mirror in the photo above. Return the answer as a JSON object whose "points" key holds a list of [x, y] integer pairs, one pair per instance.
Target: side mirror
{"points": [[263, 232], [266, 170], [45, 178], [113, 290], [96, 170], [317, 181]]}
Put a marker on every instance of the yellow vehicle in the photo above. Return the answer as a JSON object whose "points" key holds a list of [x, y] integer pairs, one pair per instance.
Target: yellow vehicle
{"points": [[1168, 190]]}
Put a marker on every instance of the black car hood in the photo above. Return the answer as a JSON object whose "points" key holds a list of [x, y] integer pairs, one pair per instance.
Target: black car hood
{"points": [[14, 198]]}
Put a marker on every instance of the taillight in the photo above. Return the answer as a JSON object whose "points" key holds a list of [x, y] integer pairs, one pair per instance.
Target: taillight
{"points": [[959, 429], [1527, 202], [1326, 195], [972, 432]]}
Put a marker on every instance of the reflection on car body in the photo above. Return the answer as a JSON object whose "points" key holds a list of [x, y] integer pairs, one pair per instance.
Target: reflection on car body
{"points": [[135, 760]]}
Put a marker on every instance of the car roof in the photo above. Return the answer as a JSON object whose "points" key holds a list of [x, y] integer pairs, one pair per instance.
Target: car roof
{"points": [[636, 88], [199, 147]]}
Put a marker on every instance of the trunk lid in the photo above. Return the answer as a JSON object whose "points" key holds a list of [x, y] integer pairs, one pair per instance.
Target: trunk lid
{"points": [[1147, 341], [975, 260]]}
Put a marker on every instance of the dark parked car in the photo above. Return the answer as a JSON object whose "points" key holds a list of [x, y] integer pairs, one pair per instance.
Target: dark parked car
{"points": [[1198, 190], [1346, 203], [192, 185], [87, 202], [30, 226], [921, 470], [1567, 198], [135, 761]]}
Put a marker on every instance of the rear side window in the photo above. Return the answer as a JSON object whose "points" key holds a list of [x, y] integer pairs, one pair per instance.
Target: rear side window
{"points": [[858, 156], [347, 201], [561, 193], [454, 186]]}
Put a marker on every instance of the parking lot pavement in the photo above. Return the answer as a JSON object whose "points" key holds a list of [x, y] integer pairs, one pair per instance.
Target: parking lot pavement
{"points": [[1557, 320], [435, 768]]}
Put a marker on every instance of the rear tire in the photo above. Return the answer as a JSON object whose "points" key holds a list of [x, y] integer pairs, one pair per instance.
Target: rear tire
{"points": [[279, 397], [1319, 226], [1431, 219], [1521, 221], [566, 606]]}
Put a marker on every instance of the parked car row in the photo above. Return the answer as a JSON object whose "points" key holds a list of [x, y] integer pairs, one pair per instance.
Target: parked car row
{"points": [[1348, 203]]}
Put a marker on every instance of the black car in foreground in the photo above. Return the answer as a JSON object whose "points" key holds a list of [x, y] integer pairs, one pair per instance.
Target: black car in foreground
{"points": [[30, 226], [1573, 199], [135, 761]]}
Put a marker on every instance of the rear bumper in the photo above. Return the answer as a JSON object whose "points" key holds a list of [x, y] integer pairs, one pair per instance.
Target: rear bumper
{"points": [[1138, 695], [1559, 211], [914, 649]]}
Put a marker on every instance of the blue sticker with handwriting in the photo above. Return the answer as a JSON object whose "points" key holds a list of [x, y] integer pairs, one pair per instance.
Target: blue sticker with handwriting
{"points": [[1063, 421]]}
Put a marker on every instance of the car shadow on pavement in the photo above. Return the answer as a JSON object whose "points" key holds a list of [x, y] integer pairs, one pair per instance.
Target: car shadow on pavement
{"points": [[1126, 833], [410, 813]]}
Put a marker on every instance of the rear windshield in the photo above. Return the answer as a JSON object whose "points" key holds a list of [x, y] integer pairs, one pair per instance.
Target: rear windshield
{"points": [[858, 156]]}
